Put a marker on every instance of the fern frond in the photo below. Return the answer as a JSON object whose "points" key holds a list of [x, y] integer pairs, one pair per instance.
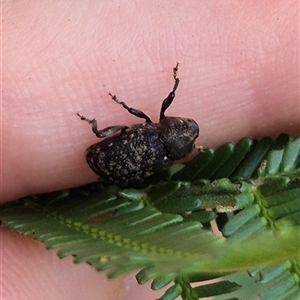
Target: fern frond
{"points": [[277, 199], [163, 229]]}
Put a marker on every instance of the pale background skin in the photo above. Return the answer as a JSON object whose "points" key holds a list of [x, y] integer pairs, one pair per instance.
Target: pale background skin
{"points": [[239, 72]]}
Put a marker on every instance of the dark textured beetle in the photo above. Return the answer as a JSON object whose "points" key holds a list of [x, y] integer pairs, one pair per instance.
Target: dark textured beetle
{"points": [[143, 149]]}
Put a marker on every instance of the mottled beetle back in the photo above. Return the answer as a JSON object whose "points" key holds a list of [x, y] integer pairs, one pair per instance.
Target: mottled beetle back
{"points": [[133, 155]]}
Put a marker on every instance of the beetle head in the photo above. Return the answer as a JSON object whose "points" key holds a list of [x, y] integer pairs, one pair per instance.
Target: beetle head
{"points": [[178, 135]]}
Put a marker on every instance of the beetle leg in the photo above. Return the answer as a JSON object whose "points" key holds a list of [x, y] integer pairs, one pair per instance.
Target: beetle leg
{"points": [[133, 111], [175, 70], [108, 131], [168, 101]]}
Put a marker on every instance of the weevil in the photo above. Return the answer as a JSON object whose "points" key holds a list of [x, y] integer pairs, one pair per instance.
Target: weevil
{"points": [[134, 153]]}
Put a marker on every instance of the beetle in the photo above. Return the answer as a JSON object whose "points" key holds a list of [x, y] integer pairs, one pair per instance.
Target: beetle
{"points": [[134, 153]]}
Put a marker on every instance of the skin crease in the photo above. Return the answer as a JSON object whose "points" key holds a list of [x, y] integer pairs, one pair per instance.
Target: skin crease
{"points": [[239, 77]]}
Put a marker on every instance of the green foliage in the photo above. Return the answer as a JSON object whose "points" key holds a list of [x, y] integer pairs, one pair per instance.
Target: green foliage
{"points": [[250, 190]]}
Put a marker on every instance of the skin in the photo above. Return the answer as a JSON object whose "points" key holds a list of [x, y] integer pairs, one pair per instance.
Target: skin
{"points": [[239, 72]]}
